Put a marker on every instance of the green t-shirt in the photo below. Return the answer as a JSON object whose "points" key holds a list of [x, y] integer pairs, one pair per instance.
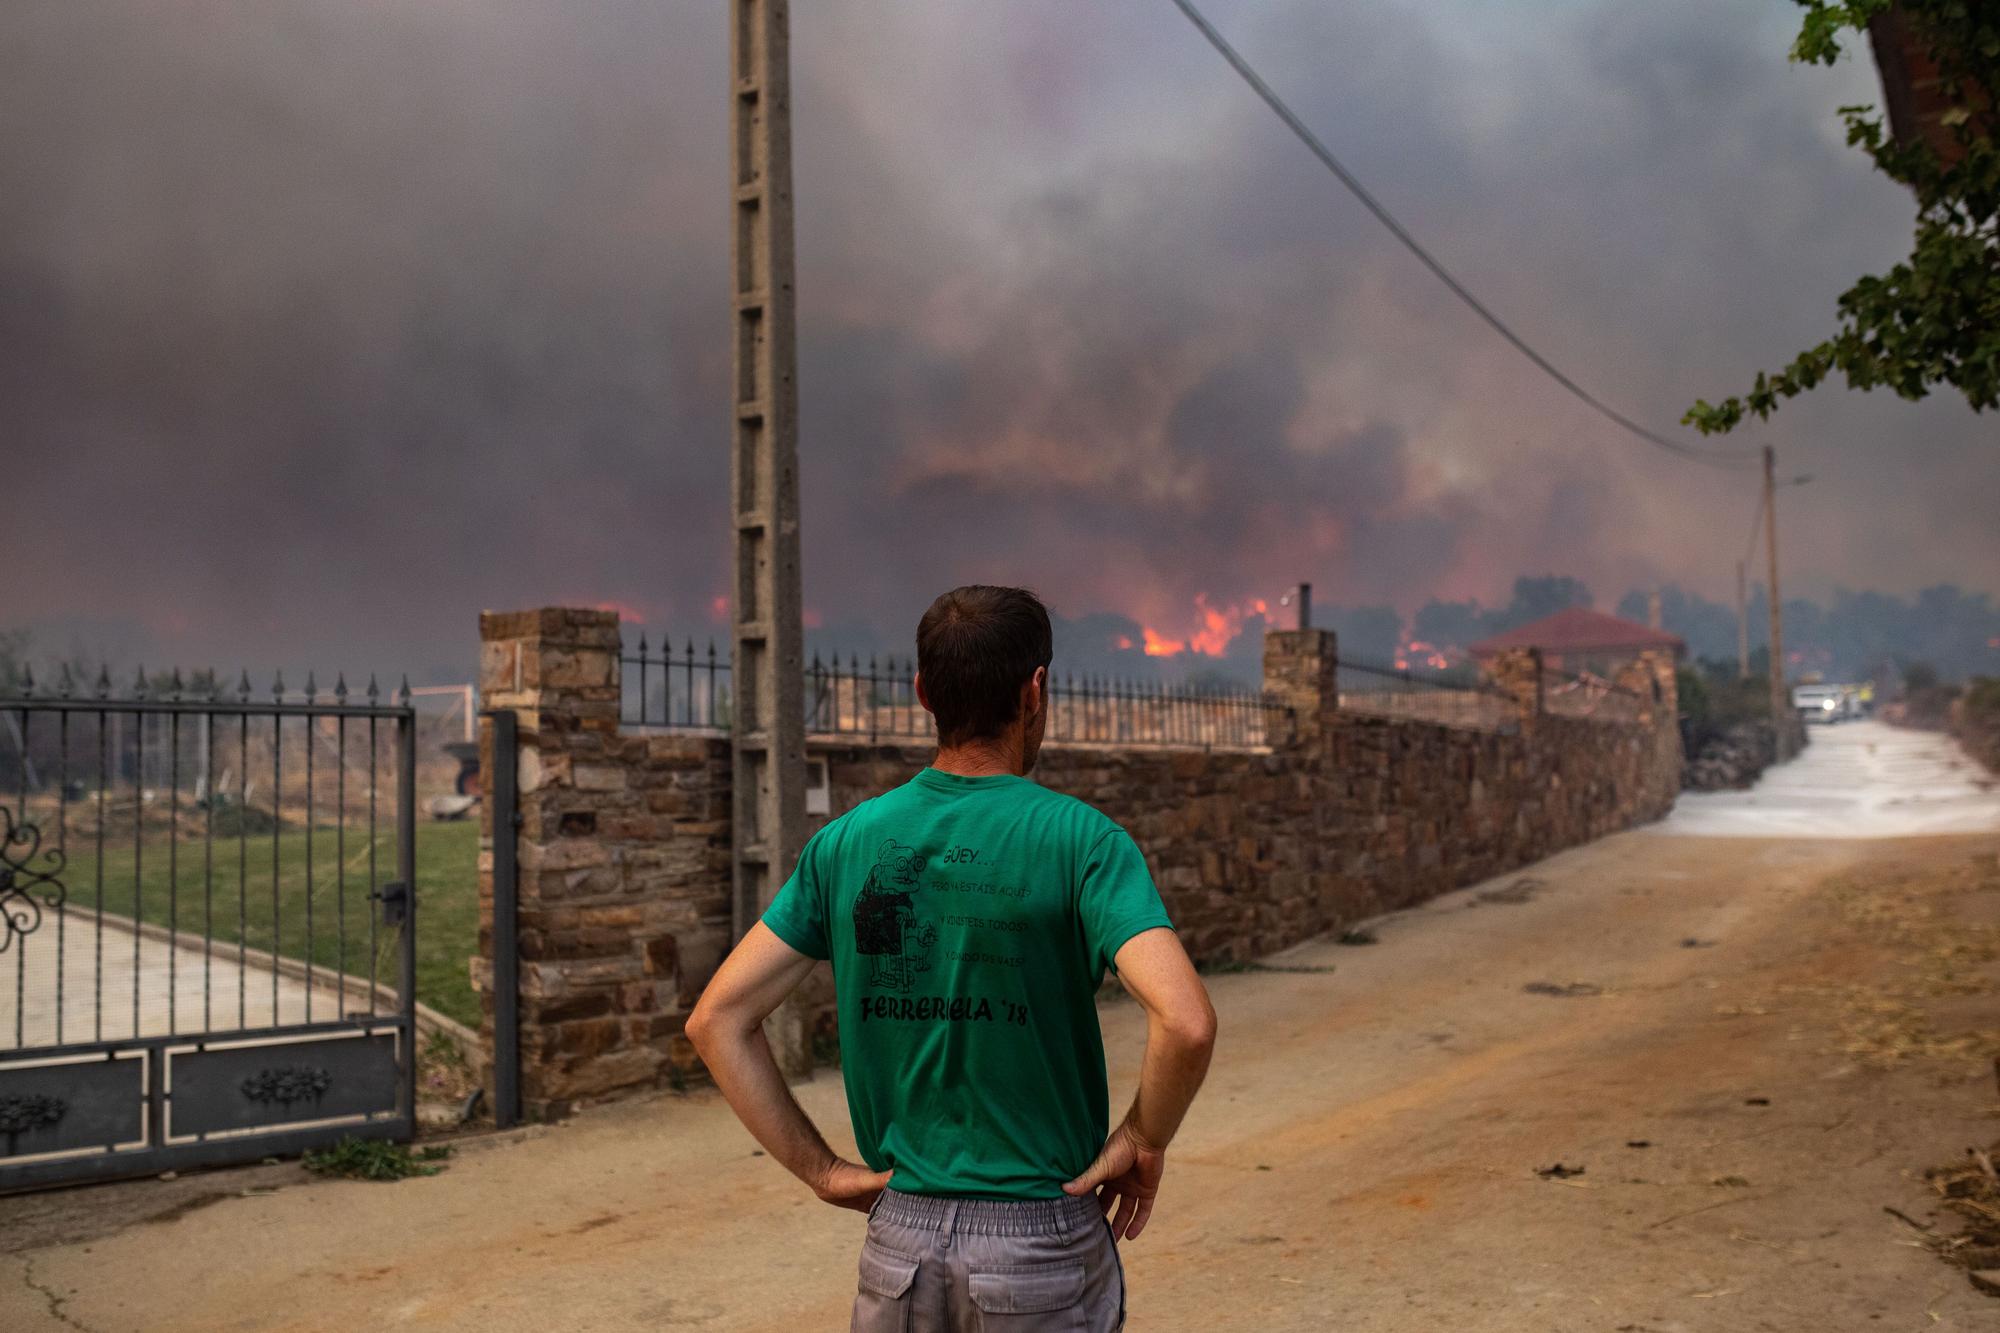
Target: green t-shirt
{"points": [[970, 921]]}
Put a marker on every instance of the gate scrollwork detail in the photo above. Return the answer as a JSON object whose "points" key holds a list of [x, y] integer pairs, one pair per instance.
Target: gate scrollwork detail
{"points": [[287, 1084], [21, 1113], [20, 846]]}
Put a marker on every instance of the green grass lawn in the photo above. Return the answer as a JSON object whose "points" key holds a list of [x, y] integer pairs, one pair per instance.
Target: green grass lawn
{"points": [[181, 897]]}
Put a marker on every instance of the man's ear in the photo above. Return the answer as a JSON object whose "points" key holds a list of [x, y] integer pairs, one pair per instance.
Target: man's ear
{"points": [[923, 697], [1035, 694]]}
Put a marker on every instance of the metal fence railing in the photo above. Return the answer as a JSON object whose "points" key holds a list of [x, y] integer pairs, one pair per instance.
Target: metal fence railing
{"points": [[1115, 712], [1461, 700], [1589, 697], [878, 699], [683, 689], [688, 688]]}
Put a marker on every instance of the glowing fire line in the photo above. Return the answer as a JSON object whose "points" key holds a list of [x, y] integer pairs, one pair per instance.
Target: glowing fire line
{"points": [[1217, 626]]}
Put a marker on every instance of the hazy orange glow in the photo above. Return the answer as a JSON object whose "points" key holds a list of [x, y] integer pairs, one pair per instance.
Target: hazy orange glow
{"points": [[1211, 635], [625, 611]]}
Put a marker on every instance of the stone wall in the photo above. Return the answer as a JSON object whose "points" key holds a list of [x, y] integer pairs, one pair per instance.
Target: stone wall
{"points": [[625, 841], [1349, 816]]}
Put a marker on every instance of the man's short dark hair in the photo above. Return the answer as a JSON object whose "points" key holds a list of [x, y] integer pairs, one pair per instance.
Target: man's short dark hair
{"points": [[976, 647]]}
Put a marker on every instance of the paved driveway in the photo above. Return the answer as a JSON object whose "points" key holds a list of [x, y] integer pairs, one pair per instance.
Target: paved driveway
{"points": [[1855, 780]]}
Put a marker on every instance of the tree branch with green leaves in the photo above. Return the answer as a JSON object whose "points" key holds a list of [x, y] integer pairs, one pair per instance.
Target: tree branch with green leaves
{"points": [[1934, 319]]}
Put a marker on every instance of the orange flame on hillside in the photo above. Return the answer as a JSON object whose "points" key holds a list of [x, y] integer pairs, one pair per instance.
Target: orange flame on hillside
{"points": [[1211, 637], [1423, 654]]}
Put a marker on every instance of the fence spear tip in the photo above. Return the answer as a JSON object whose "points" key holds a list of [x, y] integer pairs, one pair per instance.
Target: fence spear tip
{"points": [[243, 687], [312, 687], [175, 685], [403, 695], [340, 686], [278, 684], [66, 684], [139, 682], [27, 681]]}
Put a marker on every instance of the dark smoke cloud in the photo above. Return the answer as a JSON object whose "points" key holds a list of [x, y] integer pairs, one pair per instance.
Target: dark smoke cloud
{"points": [[323, 326]]}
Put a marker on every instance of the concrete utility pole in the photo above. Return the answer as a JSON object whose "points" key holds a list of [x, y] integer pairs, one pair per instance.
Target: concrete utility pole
{"points": [[1781, 702], [768, 652], [1742, 624]]}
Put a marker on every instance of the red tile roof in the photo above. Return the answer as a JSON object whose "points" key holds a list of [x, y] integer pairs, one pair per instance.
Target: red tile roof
{"points": [[1577, 630]]}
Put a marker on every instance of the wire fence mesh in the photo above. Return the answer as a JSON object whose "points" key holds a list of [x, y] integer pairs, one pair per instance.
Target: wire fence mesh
{"points": [[1461, 700], [1590, 697]]}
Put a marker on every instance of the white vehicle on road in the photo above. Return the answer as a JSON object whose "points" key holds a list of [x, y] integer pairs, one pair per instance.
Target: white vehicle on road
{"points": [[1825, 703]]}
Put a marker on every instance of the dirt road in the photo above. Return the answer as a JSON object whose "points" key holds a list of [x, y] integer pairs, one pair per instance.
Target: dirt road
{"points": [[1748, 1045]]}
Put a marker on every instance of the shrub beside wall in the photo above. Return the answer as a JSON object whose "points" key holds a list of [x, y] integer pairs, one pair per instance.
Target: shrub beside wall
{"points": [[1975, 720]]}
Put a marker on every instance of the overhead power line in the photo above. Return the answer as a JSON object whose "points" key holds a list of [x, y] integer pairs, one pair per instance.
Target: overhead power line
{"points": [[1720, 458]]}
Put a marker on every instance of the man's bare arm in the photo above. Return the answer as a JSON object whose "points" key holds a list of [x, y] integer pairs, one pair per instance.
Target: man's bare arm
{"points": [[727, 1029], [1180, 1036]]}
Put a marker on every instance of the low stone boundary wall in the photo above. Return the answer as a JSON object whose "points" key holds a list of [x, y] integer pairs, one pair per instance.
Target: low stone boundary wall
{"points": [[625, 838]]}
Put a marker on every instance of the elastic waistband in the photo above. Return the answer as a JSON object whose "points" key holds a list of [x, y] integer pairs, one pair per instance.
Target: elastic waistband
{"points": [[988, 1217]]}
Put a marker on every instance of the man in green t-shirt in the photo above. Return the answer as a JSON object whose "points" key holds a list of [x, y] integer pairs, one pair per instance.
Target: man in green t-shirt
{"points": [[970, 916]]}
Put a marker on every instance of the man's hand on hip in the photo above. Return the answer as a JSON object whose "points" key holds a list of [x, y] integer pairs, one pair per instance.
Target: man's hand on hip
{"points": [[1180, 1034], [1126, 1173], [846, 1184]]}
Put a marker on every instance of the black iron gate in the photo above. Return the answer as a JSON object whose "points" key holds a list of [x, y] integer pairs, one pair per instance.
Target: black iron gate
{"points": [[205, 925]]}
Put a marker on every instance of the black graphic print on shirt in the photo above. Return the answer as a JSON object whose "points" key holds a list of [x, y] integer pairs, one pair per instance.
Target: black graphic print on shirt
{"points": [[887, 928]]}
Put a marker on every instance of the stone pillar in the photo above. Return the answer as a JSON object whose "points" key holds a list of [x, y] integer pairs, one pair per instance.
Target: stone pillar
{"points": [[599, 998], [1665, 667], [1518, 672], [1650, 675], [1301, 672]]}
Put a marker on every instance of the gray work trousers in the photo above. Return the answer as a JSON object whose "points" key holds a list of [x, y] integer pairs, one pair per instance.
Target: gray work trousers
{"points": [[936, 1265]]}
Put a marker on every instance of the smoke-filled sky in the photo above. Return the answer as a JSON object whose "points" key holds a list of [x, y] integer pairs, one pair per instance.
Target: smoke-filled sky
{"points": [[325, 324]]}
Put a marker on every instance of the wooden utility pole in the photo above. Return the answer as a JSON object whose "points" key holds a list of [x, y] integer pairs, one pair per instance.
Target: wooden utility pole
{"points": [[1781, 703], [1742, 623], [768, 650]]}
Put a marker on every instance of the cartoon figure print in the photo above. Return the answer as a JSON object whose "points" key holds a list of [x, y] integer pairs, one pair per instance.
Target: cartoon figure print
{"points": [[886, 929]]}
